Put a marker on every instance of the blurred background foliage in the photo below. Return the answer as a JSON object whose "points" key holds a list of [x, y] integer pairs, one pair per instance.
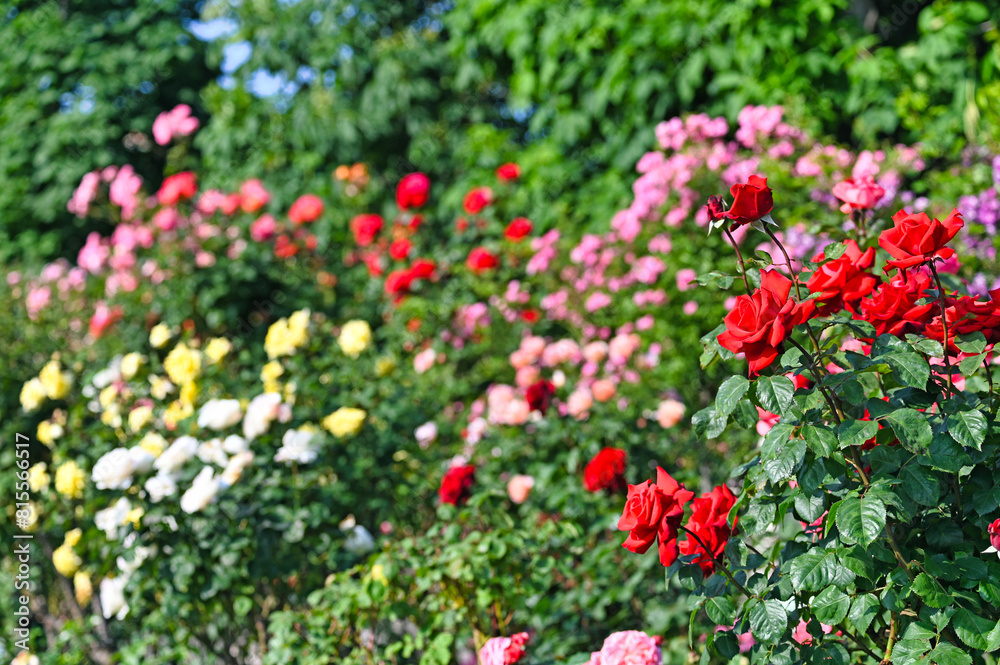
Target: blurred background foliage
{"points": [[293, 88]]}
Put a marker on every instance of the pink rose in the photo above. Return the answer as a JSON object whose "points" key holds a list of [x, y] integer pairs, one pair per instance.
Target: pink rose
{"points": [[519, 487]]}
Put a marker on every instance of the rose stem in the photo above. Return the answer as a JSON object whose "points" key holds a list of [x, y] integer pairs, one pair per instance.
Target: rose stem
{"points": [[944, 324], [739, 257]]}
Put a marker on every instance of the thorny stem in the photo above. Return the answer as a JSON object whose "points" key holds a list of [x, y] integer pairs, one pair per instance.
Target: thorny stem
{"points": [[788, 260], [989, 380], [719, 563], [944, 324], [895, 549], [859, 643], [834, 409], [739, 257], [893, 623]]}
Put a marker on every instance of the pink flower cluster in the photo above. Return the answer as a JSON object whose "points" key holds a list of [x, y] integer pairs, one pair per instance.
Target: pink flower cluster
{"points": [[176, 122], [628, 647]]}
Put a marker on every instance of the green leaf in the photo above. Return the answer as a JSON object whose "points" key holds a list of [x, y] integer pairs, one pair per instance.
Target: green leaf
{"points": [[949, 654], [968, 428], [831, 605], [911, 428], [926, 346], [930, 591], [821, 440], [971, 343], [774, 393], [781, 454], [819, 569], [973, 629], [909, 369], [727, 644], [920, 484], [855, 432], [746, 415], [969, 366], [834, 250], [768, 621], [864, 609], [730, 393], [720, 610], [861, 519]]}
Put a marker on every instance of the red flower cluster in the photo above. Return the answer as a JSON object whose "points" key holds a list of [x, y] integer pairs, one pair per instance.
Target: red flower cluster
{"points": [[653, 512], [518, 229], [539, 395], [307, 208], [413, 191], [178, 187], [606, 471], [916, 239], [709, 520], [843, 282], [456, 484], [893, 307], [759, 323]]}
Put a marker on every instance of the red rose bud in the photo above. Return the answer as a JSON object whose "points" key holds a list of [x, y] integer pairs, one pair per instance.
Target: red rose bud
{"points": [[365, 228], [843, 282], [456, 484], [480, 260], [518, 229], [605, 471], [400, 249], [508, 172], [539, 395], [994, 533], [916, 239], [654, 513], [307, 208], [477, 199], [178, 187], [760, 322], [751, 201], [412, 191], [858, 193], [716, 208]]}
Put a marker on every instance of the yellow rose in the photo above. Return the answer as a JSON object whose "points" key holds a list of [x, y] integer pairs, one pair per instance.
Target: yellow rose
{"points": [[189, 393], [33, 393], [286, 335], [183, 364], [160, 387], [288, 394], [345, 421], [72, 537], [378, 574], [112, 417], [70, 480], [160, 335], [134, 516], [176, 412], [355, 337], [48, 432], [139, 417], [38, 477], [270, 372], [217, 349], [153, 443], [65, 560], [83, 588], [108, 396], [56, 382], [131, 364]]}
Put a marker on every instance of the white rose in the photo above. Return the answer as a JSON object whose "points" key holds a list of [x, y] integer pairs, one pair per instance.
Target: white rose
{"points": [[234, 444], [218, 414], [210, 452], [234, 469], [426, 434], [174, 457], [109, 519], [142, 459], [113, 598], [160, 487], [113, 471], [202, 492], [297, 446], [261, 411]]}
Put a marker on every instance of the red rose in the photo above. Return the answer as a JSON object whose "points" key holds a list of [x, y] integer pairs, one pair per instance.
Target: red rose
{"points": [[539, 395], [508, 172], [480, 260], [477, 199], [373, 262], [751, 201], [284, 248], [422, 269], [994, 532], [530, 316], [716, 208], [759, 323], [307, 208], [365, 228], [177, 187], [518, 229], [709, 520], [456, 483], [605, 471], [412, 191], [858, 193], [654, 512], [916, 239], [398, 282], [515, 649], [985, 317], [893, 308], [400, 249], [843, 282]]}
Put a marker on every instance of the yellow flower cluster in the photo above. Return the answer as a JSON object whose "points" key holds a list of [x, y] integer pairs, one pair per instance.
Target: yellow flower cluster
{"points": [[286, 335], [139, 417], [65, 558], [153, 443], [183, 364], [345, 421], [160, 335], [131, 364], [83, 588], [70, 480], [217, 349], [48, 432], [355, 337], [38, 477], [51, 383], [269, 374]]}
